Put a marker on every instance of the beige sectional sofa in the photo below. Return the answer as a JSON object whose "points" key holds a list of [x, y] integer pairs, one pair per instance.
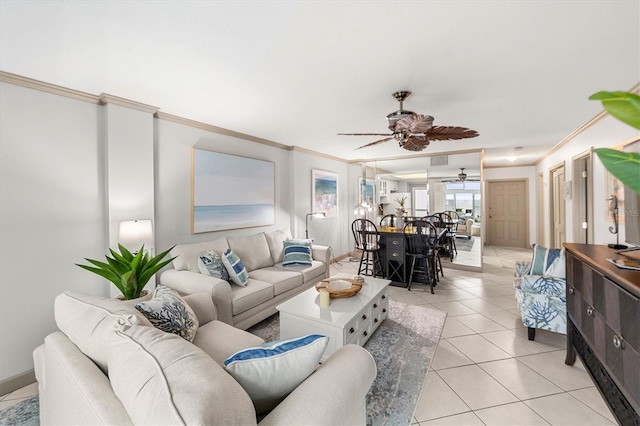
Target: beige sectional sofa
{"points": [[269, 282], [108, 365]]}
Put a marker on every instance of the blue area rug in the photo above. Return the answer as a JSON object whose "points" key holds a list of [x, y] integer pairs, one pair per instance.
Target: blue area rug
{"points": [[24, 413], [403, 347]]}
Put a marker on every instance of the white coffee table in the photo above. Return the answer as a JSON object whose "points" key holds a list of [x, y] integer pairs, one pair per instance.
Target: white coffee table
{"points": [[348, 320]]}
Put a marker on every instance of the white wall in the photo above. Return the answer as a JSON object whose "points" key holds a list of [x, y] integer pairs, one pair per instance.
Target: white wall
{"points": [[52, 213], [605, 133]]}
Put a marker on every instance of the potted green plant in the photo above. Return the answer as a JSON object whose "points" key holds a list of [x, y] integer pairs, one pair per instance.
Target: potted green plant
{"points": [[128, 272], [623, 165]]}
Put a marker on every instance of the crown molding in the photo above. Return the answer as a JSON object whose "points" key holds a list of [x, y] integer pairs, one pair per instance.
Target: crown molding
{"points": [[215, 129], [635, 89], [30, 83], [317, 154], [510, 166], [411, 156], [105, 99]]}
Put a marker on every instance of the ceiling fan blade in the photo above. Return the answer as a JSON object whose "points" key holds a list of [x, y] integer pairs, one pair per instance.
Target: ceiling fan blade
{"points": [[365, 134], [414, 143], [374, 143], [443, 133], [415, 124]]}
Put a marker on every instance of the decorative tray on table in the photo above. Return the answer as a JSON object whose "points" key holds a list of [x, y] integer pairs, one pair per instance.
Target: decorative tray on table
{"points": [[340, 287]]}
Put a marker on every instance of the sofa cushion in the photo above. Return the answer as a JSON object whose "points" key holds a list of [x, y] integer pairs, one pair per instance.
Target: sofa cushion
{"points": [[163, 379], [167, 311], [309, 273], [270, 372], [255, 293], [88, 321], [235, 267], [211, 264], [220, 340], [282, 279], [253, 250], [275, 239], [187, 254], [296, 252]]}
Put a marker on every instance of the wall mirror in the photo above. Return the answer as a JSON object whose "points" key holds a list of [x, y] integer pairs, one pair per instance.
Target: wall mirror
{"points": [[431, 184]]}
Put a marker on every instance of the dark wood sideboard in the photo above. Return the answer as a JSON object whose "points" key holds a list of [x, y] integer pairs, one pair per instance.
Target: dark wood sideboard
{"points": [[603, 325]]}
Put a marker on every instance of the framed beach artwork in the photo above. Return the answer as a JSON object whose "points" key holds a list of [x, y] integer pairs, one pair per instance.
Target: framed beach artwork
{"points": [[324, 192], [230, 192], [367, 191]]}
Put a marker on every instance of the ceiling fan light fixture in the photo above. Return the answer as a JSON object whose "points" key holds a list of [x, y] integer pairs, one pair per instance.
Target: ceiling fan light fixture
{"points": [[512, 158], [462, 175]]}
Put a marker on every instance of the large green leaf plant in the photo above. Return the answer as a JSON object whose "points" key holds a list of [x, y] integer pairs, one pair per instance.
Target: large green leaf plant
{"points": [[129, 272], [623, 165]]}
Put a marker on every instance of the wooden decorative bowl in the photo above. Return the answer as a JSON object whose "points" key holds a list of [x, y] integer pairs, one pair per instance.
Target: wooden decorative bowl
{"points": [[338, 294]]}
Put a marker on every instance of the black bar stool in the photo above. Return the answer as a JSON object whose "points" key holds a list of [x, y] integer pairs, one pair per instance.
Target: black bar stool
{"points": [[367, 240]]}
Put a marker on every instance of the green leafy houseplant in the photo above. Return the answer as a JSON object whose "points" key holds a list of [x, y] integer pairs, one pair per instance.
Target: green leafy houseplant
{"points": [[129, 272], [623, 165]]}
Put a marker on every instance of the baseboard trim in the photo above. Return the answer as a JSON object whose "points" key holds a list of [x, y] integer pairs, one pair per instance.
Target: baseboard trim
{"points": [[16, 382]]}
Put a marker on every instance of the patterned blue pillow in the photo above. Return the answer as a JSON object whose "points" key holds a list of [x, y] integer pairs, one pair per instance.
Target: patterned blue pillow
{"points": [[297, 252], [235, 268], [167, 311], [211, 264], [542, 259]]}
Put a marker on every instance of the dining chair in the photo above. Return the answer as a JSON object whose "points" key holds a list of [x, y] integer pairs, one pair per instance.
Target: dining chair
{"points": [[367, 241], [388, 221], [450, 236], [420, 245]]}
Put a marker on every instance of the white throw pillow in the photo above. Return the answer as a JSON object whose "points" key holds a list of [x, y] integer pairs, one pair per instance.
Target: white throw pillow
{"points": [[167, 311], [211, 264], [269, 373], [235, 268], [557, 269]]}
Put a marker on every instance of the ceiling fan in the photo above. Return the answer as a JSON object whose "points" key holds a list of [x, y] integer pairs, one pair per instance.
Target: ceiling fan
{"points": [[462, 177], [414, 131]]}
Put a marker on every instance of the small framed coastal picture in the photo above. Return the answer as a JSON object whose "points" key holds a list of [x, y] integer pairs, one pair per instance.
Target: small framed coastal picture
{"points": [[324, 192], [230, 192]]}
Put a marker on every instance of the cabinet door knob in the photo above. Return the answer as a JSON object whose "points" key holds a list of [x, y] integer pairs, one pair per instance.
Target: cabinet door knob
{"points": [[394, 254], [572, 290], [375, 320], [617, 341], [395, 242], [384, 296], [351, 330], [384, 310], [375, 305], [365, 333], [590, 311], [364, 317]]}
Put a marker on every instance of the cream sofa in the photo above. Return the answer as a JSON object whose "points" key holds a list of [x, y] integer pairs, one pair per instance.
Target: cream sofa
{"points": [[269, 282], [465, 228], [108, 365]]}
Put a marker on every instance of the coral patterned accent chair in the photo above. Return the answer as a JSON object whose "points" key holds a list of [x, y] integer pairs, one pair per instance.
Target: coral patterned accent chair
{"points": [[540, 286]]}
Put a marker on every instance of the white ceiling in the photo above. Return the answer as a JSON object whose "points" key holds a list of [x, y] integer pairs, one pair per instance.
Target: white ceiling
{"points": [[299, 72]]}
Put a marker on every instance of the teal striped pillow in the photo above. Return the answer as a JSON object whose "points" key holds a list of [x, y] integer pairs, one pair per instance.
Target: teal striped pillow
{"points": [[543, 258], [237, 272], [297, 252]]}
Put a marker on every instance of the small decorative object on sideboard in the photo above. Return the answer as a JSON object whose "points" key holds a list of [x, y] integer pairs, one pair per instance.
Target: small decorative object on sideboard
{"points": [[613, 209], [128, 272]]}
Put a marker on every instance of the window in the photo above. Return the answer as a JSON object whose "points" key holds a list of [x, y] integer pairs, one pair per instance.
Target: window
{"points": [[463, 196]]}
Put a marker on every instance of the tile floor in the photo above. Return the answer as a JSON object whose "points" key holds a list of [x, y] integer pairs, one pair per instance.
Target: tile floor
{"points": [[485, 371]]}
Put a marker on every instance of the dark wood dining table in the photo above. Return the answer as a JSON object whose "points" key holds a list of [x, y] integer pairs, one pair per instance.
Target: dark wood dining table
{"points": [[393, 256]]}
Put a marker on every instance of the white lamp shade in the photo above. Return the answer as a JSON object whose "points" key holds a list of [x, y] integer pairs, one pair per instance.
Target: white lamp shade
{"points": [[134, 233]]}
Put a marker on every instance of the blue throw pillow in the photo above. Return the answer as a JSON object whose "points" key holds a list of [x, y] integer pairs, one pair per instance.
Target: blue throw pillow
{"points": [[542, 259], [268, 373], [297, 252], [211, 264], [235, 268]]}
